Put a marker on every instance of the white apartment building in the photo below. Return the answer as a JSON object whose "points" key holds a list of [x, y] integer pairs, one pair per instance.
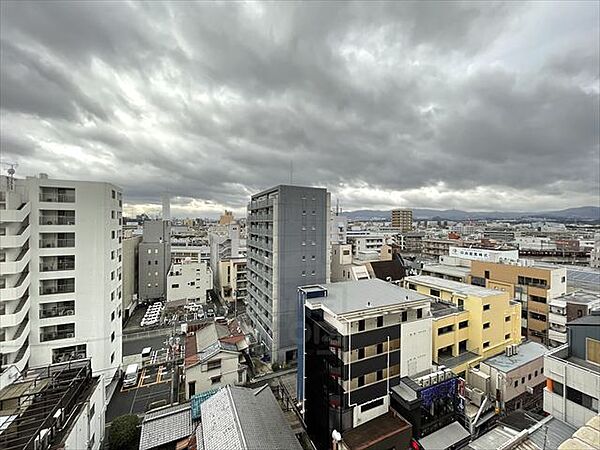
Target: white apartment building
{"points": [[365, 241], [228, 261], [573, 371], [60, 282], [189, 280], [566, 308]]}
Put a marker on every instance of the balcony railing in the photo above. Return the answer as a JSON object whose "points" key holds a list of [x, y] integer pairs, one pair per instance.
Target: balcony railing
{"points": [[57, 289], [58, 334], [57, 243], [54, 197], [60, 311], [54, 220], [53, 266]]}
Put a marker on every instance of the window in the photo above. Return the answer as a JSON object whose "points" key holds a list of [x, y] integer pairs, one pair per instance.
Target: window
{"points": [[373, 404], [92, 410], [536, 316], [175, 286], [191, 388], [463, 324], [419, 313], [412, 286], [486, 344], [557, 388], [303, 257], [379, 321], [361, 381], [522, 380], [112, 357], [149, 251], [486, 325], [112, 316], [361, 325], [592, 350], [446, 329], [535, 373], [113, 194], [486, 274], [434, 292], [379, 375], [516, 383], [404, 316], [112, 254], [149, 263], [211, 365], [537, 298], [112, 234], [361, 353], [574, 395], [155, 251], [507, 319], [112, 336], [215, 380], [112, 214], [507, 336], [486, 307], [380, 348]]}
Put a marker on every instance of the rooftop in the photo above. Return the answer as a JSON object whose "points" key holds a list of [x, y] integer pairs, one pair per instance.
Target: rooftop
{"points": [[441, 309], [166, 425], [580, 297], [242, 418], [374, 431], [528, 351], [446, 437], [453, 286], [445, 269], [350, 296], [591, 319]]}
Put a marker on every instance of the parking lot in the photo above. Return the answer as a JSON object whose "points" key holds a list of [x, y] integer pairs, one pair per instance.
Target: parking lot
{"points": [[153, 388]]}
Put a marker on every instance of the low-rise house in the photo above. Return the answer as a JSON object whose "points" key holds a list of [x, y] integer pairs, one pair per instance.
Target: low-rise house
{"points": [[215, 357], [515, 378]]}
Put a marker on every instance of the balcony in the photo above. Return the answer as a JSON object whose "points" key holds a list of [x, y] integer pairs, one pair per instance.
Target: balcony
{"points": [[18, 240], [18, 290], [16, 342], [57, 263], [14, 318], [49, 219], [57, 309], [60, 286], [557, 336], [57, 240], [17, 266], [16, 215], [57, 195], [558, 319], [56, 332]]}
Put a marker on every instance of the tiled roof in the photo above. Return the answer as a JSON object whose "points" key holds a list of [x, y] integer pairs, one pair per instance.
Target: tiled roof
{"points": [[166, 425], [245, 419]]}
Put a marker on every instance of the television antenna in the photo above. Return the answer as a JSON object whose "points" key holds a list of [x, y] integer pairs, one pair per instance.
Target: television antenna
{"points": [[11, 169]]}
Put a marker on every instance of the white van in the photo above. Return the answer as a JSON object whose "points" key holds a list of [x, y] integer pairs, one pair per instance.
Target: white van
{"points": [[131, 375]]}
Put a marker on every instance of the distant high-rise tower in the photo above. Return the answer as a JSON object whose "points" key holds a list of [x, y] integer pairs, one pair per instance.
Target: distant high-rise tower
{"points": [[288, 234], [402, 218], [166, 207]]}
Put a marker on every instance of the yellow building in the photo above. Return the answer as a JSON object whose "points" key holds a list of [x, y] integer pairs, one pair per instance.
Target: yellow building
{"points": [[470, 323]]}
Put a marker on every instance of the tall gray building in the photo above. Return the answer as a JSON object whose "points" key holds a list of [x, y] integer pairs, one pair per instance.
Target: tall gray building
{"points": [[288, 246], [154, 260]]}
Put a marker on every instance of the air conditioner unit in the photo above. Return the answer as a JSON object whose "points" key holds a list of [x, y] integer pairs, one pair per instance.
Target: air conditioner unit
{"points": [[70, 335], [468, 392], [426, 382], [449, 373]]}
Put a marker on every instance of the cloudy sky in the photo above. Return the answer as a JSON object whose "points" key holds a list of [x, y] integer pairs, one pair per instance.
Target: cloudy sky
{"points": [[470, 106]]}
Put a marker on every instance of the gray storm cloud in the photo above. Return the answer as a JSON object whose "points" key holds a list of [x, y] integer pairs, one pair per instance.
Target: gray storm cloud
{"points": [[467, 105]]}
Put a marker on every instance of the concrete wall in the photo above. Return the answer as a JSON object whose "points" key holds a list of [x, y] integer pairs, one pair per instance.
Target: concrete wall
{"points": [[202, 376], [154, 260], [130, 271], [189, 281]]}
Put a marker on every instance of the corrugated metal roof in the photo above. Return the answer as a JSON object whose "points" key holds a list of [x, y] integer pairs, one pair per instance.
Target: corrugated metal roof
{"points": [[494, 438], [552, 434], [445, 437], [197, 400]]}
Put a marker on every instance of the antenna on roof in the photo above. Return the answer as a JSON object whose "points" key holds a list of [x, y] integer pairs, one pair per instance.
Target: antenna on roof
{"points": [[291, 171]]}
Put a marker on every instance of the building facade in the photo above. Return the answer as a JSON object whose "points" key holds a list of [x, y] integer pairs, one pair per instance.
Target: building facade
{"points": [[130, 264], [402, 219], [573, 370], [470, 323], [154, 260], [358, 340], [60, 282], [567, 308], [288, 246], [532, 284], [189, 281]]}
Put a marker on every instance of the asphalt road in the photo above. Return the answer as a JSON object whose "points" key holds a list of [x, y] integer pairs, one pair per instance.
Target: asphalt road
{"points": [[132, 347]]}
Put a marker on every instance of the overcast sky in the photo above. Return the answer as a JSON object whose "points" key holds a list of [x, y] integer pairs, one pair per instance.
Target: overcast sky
{"points": [[470, 106]]}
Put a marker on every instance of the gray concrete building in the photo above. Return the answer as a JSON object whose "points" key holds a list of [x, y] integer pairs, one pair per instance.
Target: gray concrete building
{"points": [[131, 246], [154, 260], [288, 246]]}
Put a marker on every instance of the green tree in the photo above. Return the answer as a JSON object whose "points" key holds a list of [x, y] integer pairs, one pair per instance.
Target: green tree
{"points": [[124, 433]]}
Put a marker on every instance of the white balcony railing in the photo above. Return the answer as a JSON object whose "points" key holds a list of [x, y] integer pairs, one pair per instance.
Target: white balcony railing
{"points": [[15, 241]]}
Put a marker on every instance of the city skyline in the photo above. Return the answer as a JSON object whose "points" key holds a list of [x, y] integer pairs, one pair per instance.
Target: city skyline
{"points": [[435, 105]]}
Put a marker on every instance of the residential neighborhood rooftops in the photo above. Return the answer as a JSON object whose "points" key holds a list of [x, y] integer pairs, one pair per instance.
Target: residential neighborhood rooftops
{"points": [[166, 425]]}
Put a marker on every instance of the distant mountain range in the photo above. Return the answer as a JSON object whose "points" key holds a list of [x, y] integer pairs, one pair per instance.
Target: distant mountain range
{"points": [[580, 213]]}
